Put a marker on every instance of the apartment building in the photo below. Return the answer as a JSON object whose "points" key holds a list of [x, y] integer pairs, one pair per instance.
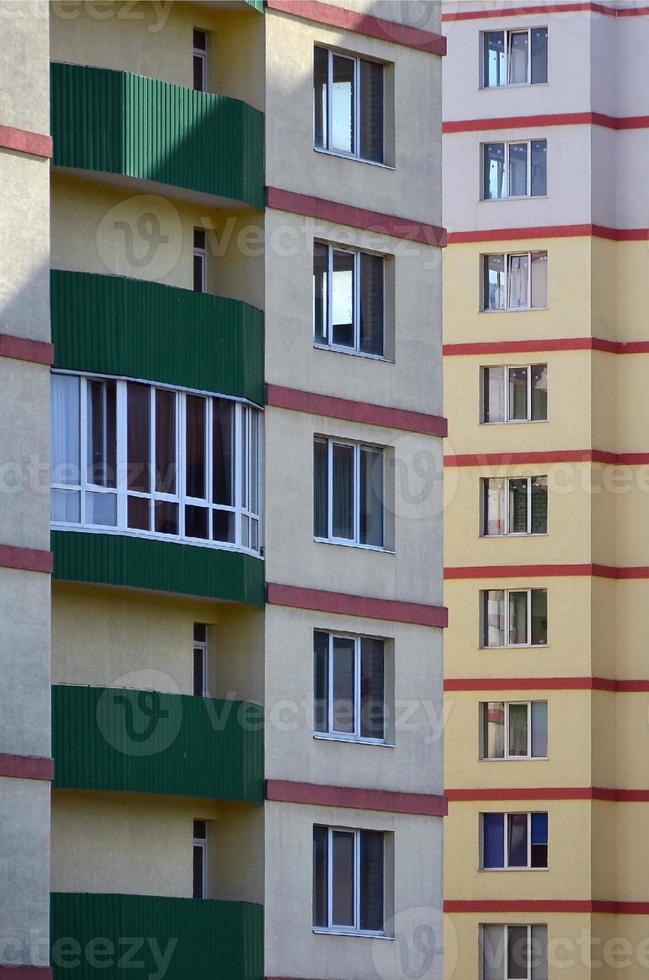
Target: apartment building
{"points": [[220, 356], [546, 679]]}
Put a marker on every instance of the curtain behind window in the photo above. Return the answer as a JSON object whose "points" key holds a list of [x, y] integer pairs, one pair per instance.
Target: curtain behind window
{"points": [[343, 492], [517, 729], [371, 880], [518, 58], [518, 282], [371, 296], [320, 489]]}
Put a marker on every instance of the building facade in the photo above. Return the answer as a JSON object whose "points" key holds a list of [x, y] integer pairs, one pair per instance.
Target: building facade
{"points": [[220, 346], [546, 553]]}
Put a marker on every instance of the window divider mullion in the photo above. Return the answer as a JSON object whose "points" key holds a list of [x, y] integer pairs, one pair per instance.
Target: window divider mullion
{"points": [[529, 840], [529, 392], [357, 301], [357, 687], [330, 488], [330, 92], [152, 456], [330, 290], [356, 491], [357, 879], [181, 459], [330, 876], [528, 625], [83, 448], [529, 729], [529, 504], [330, 684], [529, 168], [121, 454], [209, 465]]}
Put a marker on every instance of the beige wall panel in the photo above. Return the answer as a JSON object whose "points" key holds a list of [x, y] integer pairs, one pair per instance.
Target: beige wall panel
{"points": [[236, 854], [25, 89]]}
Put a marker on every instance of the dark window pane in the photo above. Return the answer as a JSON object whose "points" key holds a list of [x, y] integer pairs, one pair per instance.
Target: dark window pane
{"points": [[101, 433], [320, 488], [342, 121], [139, 515], [539, 616], [493, 394], [320, 891], [199, 877], [539, 391], [372, 688], [371, 111], [495, 293], [200, 40], [493, 170], [200, 631], [199, 73], [320, 276], [199, 673], [539, 55], [200, 830], [165, 441], [199, 273], [493, 841], [517, 953], [197, 522], [493, 59], [539, 168], [320, 71], [518, 394], [166, 517], [517, 730], [539, 952], [196, 474], [139, 436], [371, 300], [222, 452], [371, 880], [517, 506], [223, 526], [539, 504], [371, 496], [199, 238], [343, 492], [517, 840], [342, 299], [343, 684], [321, 681], [540, 729], [539, 844], [518, 617], [342, 878]]}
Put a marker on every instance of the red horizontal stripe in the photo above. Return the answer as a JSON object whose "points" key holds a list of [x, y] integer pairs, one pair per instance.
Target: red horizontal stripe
{"points": [[547, 905], [359, 23], [356, 605], [286, 791], [25, 973], [345, 214], [531, 684], [532, 571], [548, 119], [547, 456], [526, 11], [26, 350], [548, 231], [27, 767], [353, 411], [601, 793], [25, 559], [36, 144], [564, 343]]}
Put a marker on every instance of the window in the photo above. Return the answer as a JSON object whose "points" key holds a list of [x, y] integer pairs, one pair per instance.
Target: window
{"points": [[349, 493], [514, 729], [515, 505], [514, 169], [200, 859], [517, 57], [514, 840], [348, 880], [200, 660], [514, 617], [200, 260], [514, 952], [349, 686], [147, 460], [515, 282], [515, 394], [200, 61], [348, 105], [348, 299]]}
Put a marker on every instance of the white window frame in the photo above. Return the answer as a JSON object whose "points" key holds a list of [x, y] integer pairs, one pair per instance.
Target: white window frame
{"points": [[506, 815], [506, 510], [508, 420], [507, 33], [356, 59], [355, 736], [201, 842], [506, 927], [245, 413], [528, 176], [506, 757], [201, 54], [201, 646], [341, 930], [200, 252], [506, 645], [354, 542], [507, 257], [356, 304]]}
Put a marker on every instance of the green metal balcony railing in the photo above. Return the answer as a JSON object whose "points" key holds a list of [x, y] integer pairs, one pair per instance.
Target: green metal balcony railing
{"points": [[131, 328], [121, 123], [139, 937], [147, 742]]}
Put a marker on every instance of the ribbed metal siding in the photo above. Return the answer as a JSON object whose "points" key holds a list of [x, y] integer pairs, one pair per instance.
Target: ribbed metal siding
{"points": [[137, 329], [129, 124], [112, 559], [213, 940], [148, 742]]}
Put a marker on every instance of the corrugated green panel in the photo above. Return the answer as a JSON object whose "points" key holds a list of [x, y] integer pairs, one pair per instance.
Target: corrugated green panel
{"points": [[196, 939], [148, 742], [137, 329], [138, 563], [129, 124]]}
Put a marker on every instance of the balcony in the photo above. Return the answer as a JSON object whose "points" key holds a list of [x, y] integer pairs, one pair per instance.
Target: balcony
{"points": [[136, 329], [174, 938], [121, 123], [146, 742]]}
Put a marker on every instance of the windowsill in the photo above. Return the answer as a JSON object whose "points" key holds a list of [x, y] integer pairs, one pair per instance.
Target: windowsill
{"points": [[353, 740], [520, 758], [354, 544], [518, 197], [518, 646], [519, 309], [356, 933], [500, 88], [151, 536], [518, 534], [333, 349], [350, 156], [488, 870], [518, 422]]}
